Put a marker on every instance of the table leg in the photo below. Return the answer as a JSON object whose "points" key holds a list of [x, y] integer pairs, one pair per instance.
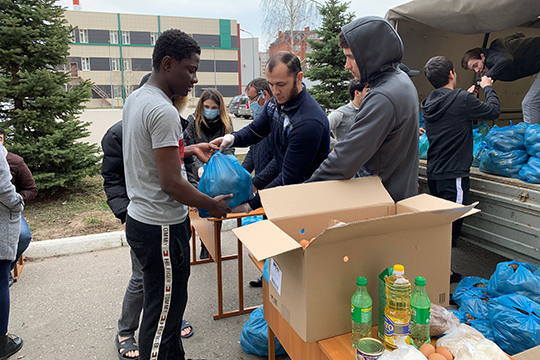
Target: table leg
{"points": [[240, 272], [217, 239], [271, 345]]}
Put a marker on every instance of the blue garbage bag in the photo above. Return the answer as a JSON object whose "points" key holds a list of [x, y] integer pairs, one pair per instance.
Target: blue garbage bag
{"points": [[254, 336], [530, 172], [507, 138], [224, 175], [475, 304], [503, 163], [484, 326], [532, 140], [482, 128], [423, 146], [512, 277], [473, 284], [479, 145], [515, 320], [251, 219], [465, 317]]}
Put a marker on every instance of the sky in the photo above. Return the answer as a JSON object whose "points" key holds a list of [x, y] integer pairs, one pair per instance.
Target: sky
{"points": [[246, 12]]}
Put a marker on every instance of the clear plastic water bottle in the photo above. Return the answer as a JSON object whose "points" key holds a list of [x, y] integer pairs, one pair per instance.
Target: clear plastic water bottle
{"points": [[420, 313], [397, 313], [361, 311]]}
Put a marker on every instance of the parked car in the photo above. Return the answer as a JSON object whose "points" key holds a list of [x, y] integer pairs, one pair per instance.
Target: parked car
{"points": [[239, 106]]}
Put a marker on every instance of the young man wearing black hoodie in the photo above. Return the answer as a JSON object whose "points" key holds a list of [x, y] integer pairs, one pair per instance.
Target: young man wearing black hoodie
{"points": [[448, 113]]}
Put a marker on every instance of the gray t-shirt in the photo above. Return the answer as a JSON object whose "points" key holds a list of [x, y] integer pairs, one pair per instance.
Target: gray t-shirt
{"points": [[150, 121]]}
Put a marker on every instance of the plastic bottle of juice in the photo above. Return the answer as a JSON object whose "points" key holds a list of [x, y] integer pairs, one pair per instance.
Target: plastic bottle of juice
{"points": [[420, 313], [361, 311], [397, 313]]}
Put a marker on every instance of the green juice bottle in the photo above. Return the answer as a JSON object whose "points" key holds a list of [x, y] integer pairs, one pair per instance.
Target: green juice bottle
{"points": [[420, 313], [361, 311]]}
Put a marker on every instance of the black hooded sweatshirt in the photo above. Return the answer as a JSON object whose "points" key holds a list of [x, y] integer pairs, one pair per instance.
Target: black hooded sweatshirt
{"points": [[384, 138], [449, 114]]}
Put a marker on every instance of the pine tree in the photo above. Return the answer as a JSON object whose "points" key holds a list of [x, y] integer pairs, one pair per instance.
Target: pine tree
{"points": [[326, 62], [39, 108]]}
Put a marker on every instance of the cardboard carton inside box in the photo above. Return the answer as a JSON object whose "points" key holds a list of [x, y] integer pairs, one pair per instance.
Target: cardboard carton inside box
{"points": [[312, 287]]}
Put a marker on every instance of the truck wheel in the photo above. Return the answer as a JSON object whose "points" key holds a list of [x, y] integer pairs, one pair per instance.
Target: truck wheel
{"points": [[247, 116]]}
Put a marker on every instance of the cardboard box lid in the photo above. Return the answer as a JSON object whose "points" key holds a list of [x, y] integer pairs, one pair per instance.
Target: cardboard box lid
{"points": [[321, 197], [531, 354]]}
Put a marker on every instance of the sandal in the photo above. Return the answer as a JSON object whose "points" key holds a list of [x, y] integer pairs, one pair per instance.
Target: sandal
{"points": [[128, 345], [186, 325]]}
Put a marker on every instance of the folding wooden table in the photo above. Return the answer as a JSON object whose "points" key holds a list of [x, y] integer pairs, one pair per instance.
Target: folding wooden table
{"points": [[209, 231]]}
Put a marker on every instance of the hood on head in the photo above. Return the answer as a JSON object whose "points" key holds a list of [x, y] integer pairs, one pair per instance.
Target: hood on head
{"points": [[375, 44]]}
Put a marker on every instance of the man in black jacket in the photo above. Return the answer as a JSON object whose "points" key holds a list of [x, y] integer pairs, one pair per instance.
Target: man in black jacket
{"points": [[448, 113], [508, 59]]}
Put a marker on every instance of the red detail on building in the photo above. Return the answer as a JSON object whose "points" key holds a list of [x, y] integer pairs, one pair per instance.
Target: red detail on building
{"points": [[283, 42], [239, 59]]}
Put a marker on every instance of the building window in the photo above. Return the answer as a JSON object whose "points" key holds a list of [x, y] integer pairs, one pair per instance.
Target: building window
{"points": [[127, 64], [83, 36], [296, 47], [129, 89], [308, 49], [115, 64], [72, 37], [85, 63], [113, 37], [153, 38], [117, 91], [125, 37]]}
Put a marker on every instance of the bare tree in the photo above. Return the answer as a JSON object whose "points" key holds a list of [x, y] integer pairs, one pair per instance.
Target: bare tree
{"points": [[288, 16]]}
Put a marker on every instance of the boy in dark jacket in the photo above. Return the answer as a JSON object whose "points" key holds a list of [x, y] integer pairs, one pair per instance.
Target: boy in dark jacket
{"points": [[448, 114]]}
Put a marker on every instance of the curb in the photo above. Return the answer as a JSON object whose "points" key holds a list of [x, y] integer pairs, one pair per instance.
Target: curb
{"points": [[87, 243]]}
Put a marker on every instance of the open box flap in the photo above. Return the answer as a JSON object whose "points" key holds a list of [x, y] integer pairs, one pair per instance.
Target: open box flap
{"points": [[390, 224], [322, 197], [264, 239]]}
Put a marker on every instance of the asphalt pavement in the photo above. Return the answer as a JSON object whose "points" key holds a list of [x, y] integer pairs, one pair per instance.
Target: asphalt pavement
{"points": [[67, 307]]}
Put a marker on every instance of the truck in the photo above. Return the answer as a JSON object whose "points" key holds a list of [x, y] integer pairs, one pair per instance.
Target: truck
{"points": [[509, 221]]}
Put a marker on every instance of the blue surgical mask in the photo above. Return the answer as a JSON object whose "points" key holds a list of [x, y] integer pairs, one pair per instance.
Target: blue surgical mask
{"points": [[211, 114], [256, 109]]}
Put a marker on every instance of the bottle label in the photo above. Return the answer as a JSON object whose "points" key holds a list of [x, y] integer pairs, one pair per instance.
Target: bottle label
{"points": [[395, 328], [361, 315], [420, 316]]}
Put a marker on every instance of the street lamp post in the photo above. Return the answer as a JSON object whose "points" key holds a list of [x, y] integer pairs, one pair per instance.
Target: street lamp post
{"points": [[252, 49]]}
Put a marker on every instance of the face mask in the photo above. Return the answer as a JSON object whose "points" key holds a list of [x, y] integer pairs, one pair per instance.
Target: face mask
{"points": [[256, 109], [211, 114]]}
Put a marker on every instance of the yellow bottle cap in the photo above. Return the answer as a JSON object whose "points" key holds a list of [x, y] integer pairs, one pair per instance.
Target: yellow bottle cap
{"points": [[398, 267]]}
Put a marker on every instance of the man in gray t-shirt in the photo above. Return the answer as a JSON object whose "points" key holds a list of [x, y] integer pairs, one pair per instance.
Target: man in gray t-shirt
{"points": [[157, 225]]}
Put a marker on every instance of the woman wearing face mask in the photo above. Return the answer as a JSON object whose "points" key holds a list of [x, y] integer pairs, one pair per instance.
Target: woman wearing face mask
{"points": [[209, 122]]}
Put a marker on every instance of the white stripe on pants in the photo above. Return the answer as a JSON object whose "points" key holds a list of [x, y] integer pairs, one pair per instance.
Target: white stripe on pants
{"points": [[459, 192]]}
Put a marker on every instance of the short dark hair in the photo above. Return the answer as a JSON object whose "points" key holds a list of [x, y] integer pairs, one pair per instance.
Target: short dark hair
{"points": [[437, 70], [473, 54], [2, 132], [343, 41], [356, 86], [176, 44], [260, 84], [287, 58]]}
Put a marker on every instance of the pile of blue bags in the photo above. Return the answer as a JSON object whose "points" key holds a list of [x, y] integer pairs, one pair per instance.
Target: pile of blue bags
{"points": [[512, 151], [505, 308], [423, 145]]}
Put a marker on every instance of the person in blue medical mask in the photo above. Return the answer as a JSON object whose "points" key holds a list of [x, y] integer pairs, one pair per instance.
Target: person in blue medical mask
{"points": [[210, 121]]}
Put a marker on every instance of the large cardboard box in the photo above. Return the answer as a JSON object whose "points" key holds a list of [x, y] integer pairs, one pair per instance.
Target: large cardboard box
{"points": [[312, 287], [531, 354]]}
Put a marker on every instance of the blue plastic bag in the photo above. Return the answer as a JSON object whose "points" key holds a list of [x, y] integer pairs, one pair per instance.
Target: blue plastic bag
{"points": [[503, 163], [507, 138], [515, 320], [224, 175], [475, 304], [530, 172], [474, 284], [513, 277], [254, 336], [532, 140], [251, 219], [482, 128], [484, 326], [479, 145], [423, 144]]}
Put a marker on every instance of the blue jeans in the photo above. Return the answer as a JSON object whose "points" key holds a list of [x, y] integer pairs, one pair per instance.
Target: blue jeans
{"points": [[163, 251], [24, 240], [4, 296]]}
